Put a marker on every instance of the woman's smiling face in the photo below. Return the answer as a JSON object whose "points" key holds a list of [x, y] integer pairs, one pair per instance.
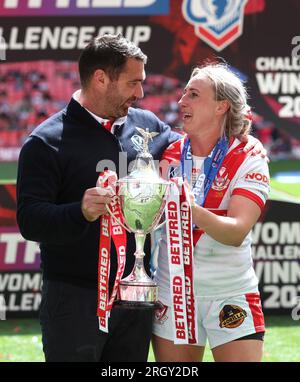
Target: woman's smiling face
{"points": [[198, 104]]}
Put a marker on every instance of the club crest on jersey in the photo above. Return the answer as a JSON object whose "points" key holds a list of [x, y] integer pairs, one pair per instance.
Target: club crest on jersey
{"points": [[217, 22], [221, 181]]}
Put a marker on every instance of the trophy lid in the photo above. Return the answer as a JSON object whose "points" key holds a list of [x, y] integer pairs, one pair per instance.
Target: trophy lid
{"points": [[143, 167]]}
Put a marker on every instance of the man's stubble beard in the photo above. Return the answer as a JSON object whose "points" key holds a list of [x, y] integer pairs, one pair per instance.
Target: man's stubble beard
{"points": [[114, 104]]}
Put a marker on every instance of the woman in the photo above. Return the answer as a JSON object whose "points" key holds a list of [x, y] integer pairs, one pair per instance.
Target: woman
{"points": [[215, 112]]}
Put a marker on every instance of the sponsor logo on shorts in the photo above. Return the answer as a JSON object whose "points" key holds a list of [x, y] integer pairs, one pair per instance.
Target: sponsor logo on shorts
{"points": [[232, 316], [161, 315]]}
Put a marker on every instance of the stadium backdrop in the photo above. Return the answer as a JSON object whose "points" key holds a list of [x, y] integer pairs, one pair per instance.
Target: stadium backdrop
{"points": [[258, 38]]}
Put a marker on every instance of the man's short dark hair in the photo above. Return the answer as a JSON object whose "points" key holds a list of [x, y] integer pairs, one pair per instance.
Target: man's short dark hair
{"points": [[109, 53]]}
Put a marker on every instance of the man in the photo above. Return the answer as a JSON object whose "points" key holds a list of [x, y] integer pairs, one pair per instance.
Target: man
{"points": [[59, 205]]}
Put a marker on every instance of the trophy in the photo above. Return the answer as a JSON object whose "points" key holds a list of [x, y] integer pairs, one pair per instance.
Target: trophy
{"points": [[142, 198]]}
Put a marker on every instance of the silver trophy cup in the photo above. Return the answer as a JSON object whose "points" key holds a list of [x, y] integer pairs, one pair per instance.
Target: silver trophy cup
{"points": [[142, 197]]}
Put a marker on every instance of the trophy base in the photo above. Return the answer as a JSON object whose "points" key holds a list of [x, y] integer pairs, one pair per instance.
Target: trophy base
{"points": [[137, 295], [121, 304]]}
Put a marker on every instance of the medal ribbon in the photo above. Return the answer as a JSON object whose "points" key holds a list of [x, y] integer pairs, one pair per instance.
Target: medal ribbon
{"points": [[179, 238], [109, 228], [212, 165], [180, 256], [188, 259]]}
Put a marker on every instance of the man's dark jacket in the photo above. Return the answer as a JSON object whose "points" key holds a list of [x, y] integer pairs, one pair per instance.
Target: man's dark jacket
{"points": [[57, 164]]}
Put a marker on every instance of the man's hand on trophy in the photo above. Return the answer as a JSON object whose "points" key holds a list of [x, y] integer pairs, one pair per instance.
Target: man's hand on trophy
{"points": [[94, 202], [95, 199]]}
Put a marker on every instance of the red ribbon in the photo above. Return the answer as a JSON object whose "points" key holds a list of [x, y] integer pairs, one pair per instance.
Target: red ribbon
{"points": [[180, 255], [109, 229]]}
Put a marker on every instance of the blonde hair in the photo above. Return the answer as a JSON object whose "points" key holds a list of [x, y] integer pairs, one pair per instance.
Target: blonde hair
{"points": [[228, 86]]}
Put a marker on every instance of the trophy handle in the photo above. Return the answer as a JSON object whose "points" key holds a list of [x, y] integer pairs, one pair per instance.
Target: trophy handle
{"points": [[163, 214], [160, 225], [116, 219]]}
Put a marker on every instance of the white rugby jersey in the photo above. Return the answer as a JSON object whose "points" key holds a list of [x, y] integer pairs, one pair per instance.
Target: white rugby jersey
{"points": [[220, 270]]}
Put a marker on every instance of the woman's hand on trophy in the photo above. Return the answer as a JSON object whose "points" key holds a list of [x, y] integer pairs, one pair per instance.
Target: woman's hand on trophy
{"points": [[190, 194], [94, 202]]}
